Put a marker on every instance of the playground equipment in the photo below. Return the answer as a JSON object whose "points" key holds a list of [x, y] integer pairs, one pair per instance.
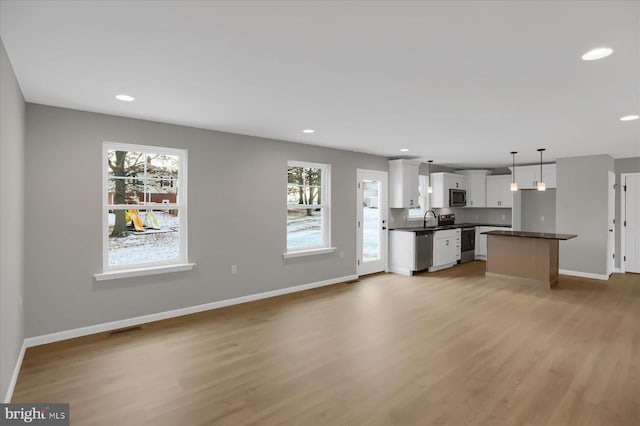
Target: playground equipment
{"points": [[150, 220], [135, 219]]}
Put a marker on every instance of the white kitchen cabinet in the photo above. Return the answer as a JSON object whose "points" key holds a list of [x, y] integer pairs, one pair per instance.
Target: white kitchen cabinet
{"points": [[403, 184], [499, 191], [527, 177], [446, 249], [441, 183], [402, 252], [476, 187]]}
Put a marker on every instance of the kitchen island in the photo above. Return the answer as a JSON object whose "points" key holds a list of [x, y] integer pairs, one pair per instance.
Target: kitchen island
{"points": [[527, 257]]}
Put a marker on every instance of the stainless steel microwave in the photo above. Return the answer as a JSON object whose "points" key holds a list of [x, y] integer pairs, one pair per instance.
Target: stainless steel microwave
{"points": [[457, 198]]}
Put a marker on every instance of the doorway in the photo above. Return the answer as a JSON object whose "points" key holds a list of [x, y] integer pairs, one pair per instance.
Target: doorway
{"points": [[611, 223], [371, 221], [630, 230]]}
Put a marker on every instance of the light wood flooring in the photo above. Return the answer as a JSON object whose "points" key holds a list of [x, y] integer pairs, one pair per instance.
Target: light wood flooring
{"points": [[445, 348]]}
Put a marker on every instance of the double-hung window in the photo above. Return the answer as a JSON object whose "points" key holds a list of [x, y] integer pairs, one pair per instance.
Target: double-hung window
{"points": [[144, 207], [308, 207]]}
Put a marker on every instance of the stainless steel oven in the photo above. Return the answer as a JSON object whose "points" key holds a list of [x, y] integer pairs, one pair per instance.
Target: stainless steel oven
{"points": [[457, 197]]}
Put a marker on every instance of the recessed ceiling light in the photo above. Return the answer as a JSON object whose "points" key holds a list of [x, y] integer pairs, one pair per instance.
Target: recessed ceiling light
{"points": [[404, 150], [599, 53], [308, 131], [125, 98], [630, 117]]}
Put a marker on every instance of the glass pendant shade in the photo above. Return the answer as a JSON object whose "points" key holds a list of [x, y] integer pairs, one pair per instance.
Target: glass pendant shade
{"points": [[429, 189], [514, 186], [541, 186]]}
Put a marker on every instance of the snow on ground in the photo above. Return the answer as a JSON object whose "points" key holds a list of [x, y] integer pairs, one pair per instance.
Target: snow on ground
{"points": [[145, 248]]}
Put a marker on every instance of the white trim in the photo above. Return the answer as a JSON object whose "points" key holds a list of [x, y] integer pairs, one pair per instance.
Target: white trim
{"points": [[617, 270], [363, 268], [16, 373], [128, 273], [180, 205], [401, 271], [584, 274], [325, 207], [114, 325], [310, 252], [623, 216]]}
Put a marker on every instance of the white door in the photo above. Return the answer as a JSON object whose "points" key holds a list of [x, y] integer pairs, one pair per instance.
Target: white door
{"points": [[371, 221], [631, 222], [611, 215]]}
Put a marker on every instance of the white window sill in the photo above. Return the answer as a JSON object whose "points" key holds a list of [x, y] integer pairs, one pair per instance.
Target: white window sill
{"points": [[310, 252], [128, 273]]}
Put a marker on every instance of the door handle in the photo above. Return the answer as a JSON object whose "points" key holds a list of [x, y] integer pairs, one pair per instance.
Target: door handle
{"points": [[610, 230], [384, 228]]}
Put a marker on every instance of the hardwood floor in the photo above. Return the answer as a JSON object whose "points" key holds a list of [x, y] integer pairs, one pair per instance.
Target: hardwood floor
{"points": [[445, 348]]}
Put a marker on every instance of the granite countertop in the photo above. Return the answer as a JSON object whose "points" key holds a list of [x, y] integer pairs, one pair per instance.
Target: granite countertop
{"points": [[525, 234], [442, 227]]}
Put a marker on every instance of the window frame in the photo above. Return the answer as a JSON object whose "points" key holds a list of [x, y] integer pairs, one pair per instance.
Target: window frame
{"points": [[325, 194], [135, 269], [423, 199]]}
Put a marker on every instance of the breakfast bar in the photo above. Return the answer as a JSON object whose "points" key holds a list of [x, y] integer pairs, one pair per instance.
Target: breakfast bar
{"points": [[528, 257]]}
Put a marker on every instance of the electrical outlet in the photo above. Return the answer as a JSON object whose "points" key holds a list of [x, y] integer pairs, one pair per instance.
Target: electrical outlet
{"points": [[503, 217], [342, 254], [234, 269], [541, 218]]}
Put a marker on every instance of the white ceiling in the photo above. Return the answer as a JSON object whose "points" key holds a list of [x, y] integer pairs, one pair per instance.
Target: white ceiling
{"points": [[462, 83]]}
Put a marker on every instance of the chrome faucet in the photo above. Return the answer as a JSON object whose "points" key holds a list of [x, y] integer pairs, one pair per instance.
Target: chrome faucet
{"points": [[435, 216]]}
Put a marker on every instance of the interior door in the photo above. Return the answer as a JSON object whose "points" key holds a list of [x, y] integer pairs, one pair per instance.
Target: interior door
{"points": [[371, 223], [631, 222], [611, 214]]}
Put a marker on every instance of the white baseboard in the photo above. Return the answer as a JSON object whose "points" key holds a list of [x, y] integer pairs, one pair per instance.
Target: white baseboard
{"points": [[617, 270], [584, 274], [16, 372], [129, 322], [401, 271]]}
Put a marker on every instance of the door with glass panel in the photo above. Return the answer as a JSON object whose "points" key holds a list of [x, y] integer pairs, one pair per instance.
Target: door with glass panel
{"points": [[371, 221]]}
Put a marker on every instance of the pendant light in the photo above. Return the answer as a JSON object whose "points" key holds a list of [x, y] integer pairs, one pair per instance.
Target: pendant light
{"points": [[514, 185], [541, 185], [429, 187]]}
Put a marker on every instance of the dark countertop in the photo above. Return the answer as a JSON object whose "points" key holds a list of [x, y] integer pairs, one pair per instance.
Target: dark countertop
{"points": [[442, 227], [525, 234]]}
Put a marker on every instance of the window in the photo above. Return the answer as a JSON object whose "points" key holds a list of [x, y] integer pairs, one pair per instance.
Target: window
{"points": [[144, 207], [423, 198], [308, 200]]}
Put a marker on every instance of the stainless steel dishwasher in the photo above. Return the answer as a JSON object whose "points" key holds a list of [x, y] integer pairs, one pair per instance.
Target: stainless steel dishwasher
{"points": [[424, 250]]}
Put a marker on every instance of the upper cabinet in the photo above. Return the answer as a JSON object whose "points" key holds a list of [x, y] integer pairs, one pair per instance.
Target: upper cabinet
{"points": [[527, 177], [442, 183], [403, 184], [476, 187], [499, 191]]}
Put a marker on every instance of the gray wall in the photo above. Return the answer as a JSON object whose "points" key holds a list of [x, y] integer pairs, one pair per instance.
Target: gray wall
{"points": [[237, 215], [581, 208], [622, 165], [12, 146], [538, 210]]}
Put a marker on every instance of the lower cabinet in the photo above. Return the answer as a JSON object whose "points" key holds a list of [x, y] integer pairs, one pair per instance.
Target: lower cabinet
{"points": [[446, 249]]}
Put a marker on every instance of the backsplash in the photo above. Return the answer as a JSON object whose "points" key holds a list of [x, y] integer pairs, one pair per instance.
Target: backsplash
{"points": [[398, 218]]}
